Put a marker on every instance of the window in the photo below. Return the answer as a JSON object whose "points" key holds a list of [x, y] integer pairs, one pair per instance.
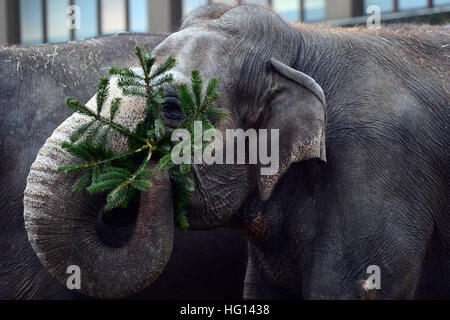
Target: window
{"points": [[57, 30], [264, 2], [88, 19], [113, 13], [385, 5], [412, 4], [289, 9], [441, 2], [112, 16], [225, 1], [31, 25], [314, 10], [138, 15], [189, 5]]}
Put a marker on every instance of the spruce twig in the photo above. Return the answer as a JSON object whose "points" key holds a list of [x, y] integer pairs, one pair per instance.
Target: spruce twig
{"points": [[77, 106], [124, 174]]}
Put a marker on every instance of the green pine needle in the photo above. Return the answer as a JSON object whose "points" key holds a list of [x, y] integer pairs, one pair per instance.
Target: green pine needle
{"points": [[102, 93], [185, 98], [165, 162], [218, 113], [124, 72], [185, 168], [115, 105], [163, 80], [149, 59], [197, 85], [82, 182], [141, 185], [115, 173], [182, 219], [104, 186], [145, 174], [76, 106], [80, 131], [160, 129], [117, 197], [211, 91], [164, 67], [95, 175]]}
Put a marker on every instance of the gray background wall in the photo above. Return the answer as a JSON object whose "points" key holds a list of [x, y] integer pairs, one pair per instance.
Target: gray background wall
{"points": [[3, 22]]}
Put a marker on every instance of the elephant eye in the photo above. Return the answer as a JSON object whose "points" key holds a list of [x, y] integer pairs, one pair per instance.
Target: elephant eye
{"points": [[171, 112]]}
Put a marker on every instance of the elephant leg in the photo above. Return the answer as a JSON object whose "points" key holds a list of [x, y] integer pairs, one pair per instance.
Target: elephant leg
{"points": [[349, 259], [250, 285], [257, 285]]}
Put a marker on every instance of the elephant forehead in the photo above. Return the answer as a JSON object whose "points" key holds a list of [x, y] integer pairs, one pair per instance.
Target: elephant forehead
{"points": [[194, 48]]}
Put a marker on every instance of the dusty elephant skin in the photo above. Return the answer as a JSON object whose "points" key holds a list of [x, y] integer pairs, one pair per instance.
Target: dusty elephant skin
{"points": [[381, 197], [363, 177], [34, 82]]}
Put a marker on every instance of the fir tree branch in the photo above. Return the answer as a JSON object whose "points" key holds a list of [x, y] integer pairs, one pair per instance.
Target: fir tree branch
{"points": [[102, 93], [80, 107], [126, 154], [123, 180], [118, 192]]}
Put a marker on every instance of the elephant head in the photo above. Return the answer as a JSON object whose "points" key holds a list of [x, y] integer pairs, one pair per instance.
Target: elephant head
{"points": [[251, 50]]}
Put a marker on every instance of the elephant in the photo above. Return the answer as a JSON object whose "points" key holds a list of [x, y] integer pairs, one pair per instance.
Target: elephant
{"points": [[358, 208], [34, 82]]}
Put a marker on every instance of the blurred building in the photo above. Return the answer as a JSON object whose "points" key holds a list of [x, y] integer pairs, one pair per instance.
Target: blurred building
{"points": [[40, 21]]}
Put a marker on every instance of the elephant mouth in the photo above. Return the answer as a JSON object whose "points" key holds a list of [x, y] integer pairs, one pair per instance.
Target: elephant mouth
{"points": [[171, 111]]}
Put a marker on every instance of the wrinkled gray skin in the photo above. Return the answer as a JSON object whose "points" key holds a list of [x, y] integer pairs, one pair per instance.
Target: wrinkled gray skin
{"points": [[382, 196], [34, 82], [377, 196]]}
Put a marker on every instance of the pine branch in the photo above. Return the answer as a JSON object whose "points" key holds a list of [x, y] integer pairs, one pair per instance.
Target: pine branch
{"points": [[186, 101], [82, 182], [218, 113], [122, 175], [164, 67], [80, 131], [197, 85], [78, 167], [102, 93], [78, 106], [124, 72], [115, 105]]}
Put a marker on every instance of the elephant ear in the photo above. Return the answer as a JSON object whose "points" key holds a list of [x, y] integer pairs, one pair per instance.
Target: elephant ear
{"points": [[297, 109]]}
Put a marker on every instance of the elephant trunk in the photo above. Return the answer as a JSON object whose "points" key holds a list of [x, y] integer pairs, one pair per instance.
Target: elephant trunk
{"points": [[63, 226]]}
